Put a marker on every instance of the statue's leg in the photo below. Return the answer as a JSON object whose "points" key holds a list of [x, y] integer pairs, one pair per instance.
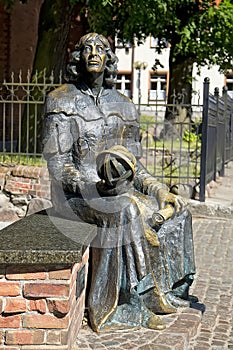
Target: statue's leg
{"points": [[173, 259], [177, 235], [120, 265]]}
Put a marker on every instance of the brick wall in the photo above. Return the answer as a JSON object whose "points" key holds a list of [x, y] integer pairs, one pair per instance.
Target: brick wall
{"points": [[24, 180], [4, 42], [40, 307]]}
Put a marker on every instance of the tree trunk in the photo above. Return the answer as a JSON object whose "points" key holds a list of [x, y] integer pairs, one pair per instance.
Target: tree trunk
{"points": [[51, 54], [54, 28], [180, 83]]}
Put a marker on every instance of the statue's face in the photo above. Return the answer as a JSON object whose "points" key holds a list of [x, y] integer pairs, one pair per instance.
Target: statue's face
{"points": [[94, 55]]}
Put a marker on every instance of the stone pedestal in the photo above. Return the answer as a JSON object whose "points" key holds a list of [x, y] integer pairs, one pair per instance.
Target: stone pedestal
{"points": [[43, 277]]}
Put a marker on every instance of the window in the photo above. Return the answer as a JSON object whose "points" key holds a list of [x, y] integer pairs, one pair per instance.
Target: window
{"points": [[122, 45], [124, 83], [158, 86], [229, 84], [155, 42]]}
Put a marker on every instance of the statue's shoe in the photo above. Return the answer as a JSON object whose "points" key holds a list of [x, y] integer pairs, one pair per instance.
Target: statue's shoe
{"points": [[151, 321], [155, 323], [165, 305], [176, 301], [127, 317]]}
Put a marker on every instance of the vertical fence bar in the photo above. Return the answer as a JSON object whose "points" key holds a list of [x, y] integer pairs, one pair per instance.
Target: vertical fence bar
{"points": [[224, 95], [19, 131], [216, 95], [204, 139], [4, 130]]}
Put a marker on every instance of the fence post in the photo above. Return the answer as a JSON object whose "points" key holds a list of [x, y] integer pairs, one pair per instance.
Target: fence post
{"points": [[204, 138], [216, 95], [224, 95]]}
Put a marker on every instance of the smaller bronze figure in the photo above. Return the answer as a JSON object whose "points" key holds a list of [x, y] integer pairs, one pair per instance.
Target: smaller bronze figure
{"points": [[93, 152]]}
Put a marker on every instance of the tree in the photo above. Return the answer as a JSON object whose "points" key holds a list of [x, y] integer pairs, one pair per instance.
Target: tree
{"points": [[197, 31], [51, 55]]}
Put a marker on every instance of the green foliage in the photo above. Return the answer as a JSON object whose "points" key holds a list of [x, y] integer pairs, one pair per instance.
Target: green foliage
{"points": [[189, 136], [195, 29], [11, 159], [8, 4]]}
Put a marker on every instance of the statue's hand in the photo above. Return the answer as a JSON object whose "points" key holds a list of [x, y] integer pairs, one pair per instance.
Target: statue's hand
{"points": [[164, 197]]}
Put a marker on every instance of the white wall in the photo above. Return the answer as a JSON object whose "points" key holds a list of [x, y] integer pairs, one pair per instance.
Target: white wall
{"points": [[145, 53]]}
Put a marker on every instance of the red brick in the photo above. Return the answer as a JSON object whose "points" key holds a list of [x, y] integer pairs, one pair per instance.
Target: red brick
{"points": [[22, 337], [43, 194], [46, 290], [44, 321], [76, 267], [1, 306], [9, 288], [58, 306], [9, 347], [54, 337], [43, 347], [64, 337], [85, 256], [38, 305], [10, 321], [14, 305], [60, 274], [2, 271], [28, 171], [26, 272], [36, 172], [18, 170]]}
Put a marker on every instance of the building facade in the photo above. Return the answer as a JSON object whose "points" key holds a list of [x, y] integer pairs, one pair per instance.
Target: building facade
{"points": [[139, 81]]}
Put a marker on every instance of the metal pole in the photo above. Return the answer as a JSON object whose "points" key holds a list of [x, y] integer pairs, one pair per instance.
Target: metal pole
{"points": [[139, 91], [204, 139]]}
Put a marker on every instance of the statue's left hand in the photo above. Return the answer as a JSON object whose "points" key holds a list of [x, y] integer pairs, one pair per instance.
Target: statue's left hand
{"points": [[179, 203]]}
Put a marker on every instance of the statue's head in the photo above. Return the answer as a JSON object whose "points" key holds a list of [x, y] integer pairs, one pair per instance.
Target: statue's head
{"points": [[80, 62]]}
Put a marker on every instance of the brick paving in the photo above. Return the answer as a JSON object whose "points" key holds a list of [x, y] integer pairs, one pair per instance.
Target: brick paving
{"points": [[214, 283]]}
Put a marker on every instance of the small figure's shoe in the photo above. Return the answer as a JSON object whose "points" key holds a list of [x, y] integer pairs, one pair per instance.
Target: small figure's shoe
{"points": [[193, 299], [176, 301]]}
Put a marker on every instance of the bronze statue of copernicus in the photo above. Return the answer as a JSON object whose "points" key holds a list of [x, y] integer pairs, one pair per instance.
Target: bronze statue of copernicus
{"points": [[92, 148]]}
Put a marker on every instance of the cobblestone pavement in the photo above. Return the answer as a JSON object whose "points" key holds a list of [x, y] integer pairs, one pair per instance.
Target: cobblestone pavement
{"points": [[214, 283], [189, 329]]}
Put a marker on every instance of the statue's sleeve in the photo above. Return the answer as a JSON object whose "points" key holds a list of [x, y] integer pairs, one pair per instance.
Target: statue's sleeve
{"points": [[59, 135], [146, 183]]}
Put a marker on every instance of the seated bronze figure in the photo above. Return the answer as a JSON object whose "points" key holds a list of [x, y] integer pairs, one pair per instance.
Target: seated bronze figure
{"points": [[92, 147]]}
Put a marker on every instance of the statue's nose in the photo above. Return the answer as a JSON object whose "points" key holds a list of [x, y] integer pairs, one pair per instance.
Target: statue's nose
{"points": [[93, 51]]}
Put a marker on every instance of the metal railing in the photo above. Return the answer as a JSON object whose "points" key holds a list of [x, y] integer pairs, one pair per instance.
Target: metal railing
{"points": [[172, 146], [217, 136], [190, 147], [21, 102]]}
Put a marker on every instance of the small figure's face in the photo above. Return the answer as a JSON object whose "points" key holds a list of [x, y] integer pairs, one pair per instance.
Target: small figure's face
{"points": [[94, 55]]}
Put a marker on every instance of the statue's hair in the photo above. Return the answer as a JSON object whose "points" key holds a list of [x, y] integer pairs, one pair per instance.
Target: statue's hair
{"points": [[75, 71]]}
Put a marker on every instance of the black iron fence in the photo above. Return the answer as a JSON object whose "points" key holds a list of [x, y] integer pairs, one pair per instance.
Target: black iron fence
{"points": [[190, 148], [21, 102], [217, 135]]}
